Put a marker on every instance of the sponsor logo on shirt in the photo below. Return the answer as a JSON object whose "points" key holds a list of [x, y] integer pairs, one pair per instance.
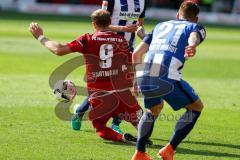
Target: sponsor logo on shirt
{"points": [[129, 15]]}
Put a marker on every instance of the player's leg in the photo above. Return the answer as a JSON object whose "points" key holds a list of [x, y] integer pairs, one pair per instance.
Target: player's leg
{"points": [[116, 124], [146, 125], [186, 123], [183, 96], [102, 110], [76, 120], [83, 107], [127, 100], [104, 132], [133, 115], [130, 100], [109, 134], [129, 109], [131, 112]]}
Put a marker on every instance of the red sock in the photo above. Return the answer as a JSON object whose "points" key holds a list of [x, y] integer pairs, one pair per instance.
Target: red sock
{"points": [[109, 134]]}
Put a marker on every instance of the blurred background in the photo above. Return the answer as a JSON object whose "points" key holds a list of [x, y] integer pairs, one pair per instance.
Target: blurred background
{"points": [[224, 12]]}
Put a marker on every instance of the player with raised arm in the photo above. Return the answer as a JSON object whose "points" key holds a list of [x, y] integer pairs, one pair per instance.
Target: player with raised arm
{"points": [[127, 17], [105, 54], [167, 47]]}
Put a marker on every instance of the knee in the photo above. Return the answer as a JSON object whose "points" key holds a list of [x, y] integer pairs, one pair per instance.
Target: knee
{"points": [[156, 110], [96, 125], [196, 106], [199, 105], [102, 134], [99, 128]]}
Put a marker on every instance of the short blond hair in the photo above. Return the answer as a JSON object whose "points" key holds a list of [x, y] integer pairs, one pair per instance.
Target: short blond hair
{"points": [[189, 9], [102, 18]]}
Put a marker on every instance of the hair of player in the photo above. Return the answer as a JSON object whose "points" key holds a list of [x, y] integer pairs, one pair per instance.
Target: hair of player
{"points": [[189, 10], [102, 18]]}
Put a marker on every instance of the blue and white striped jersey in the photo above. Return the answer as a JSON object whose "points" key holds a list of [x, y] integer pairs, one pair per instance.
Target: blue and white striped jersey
{"points": [[167, 48], [125, 12]]}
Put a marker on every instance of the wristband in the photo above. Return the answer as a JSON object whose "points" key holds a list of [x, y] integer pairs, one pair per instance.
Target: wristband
{"points": [[40, 38], [105, 5]]}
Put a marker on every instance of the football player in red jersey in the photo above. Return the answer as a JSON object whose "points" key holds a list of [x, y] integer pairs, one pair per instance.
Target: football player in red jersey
{"points": [[127, 17], [107, 56]]}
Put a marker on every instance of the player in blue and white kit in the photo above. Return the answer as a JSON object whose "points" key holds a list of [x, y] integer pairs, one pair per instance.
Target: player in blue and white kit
{"points": [[168, 46], [127, 17]]}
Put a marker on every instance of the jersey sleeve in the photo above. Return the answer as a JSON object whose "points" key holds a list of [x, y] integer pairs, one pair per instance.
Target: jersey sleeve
{"points": [[79, 44], [148, 39], [201, 32], [143, 13], [108, 5]]}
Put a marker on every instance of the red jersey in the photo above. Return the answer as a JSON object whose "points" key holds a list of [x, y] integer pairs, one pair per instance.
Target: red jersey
{"points": [[107, 60]]}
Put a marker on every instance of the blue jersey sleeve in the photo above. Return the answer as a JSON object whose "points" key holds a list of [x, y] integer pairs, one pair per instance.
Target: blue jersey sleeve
{"points": [[201, 31], [148, 39]]}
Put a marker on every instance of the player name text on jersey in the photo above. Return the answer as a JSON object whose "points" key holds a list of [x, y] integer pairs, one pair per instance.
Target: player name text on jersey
{"points": [[119, 40]]}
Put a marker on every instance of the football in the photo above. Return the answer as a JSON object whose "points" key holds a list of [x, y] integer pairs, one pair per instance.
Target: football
{"points": [[64, 90]]}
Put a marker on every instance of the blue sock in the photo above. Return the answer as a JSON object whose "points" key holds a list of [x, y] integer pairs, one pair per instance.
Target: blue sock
{"points": [[183, 127], [83, 107], [116, 121], [145, 128]]}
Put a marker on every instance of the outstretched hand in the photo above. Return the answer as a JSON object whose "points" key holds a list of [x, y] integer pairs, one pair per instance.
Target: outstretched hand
{"points": [[190, 51], [141, 32], [35, 29]]}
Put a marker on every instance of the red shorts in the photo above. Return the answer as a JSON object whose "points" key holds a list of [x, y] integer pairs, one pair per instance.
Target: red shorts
{"points": [[117, 104]]}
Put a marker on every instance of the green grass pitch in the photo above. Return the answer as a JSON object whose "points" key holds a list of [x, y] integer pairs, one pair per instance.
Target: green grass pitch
{"points": [[29, 128]]}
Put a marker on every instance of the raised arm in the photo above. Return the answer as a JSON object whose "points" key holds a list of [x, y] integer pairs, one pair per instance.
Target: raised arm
{"points": [[141, 31], [140, 21], [127, 28], [142, 48], [137, 56], [55, 47], [138, 53]]}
